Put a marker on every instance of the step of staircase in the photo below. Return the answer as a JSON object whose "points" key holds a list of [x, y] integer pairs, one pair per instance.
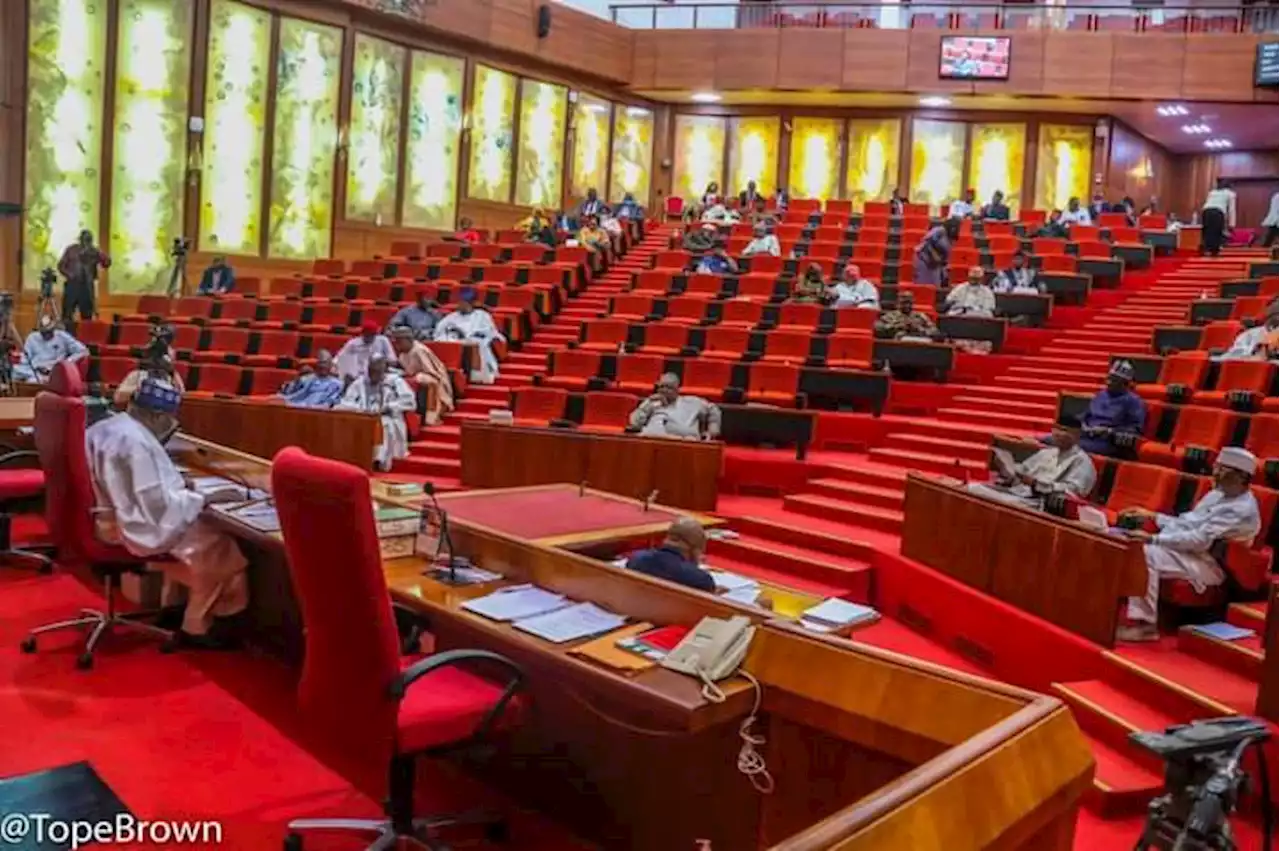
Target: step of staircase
{"points": [[976, 450], [418, 465], [856, 493], [1111, 713], [801, 538], [796, 567], [1121, 785], [438, 449], [1248, 615], [1244, 656], [869, 517], [926, 462], [997, 419], [1066, 370], [1040, 384], [1028, 409], [1182, 685]]}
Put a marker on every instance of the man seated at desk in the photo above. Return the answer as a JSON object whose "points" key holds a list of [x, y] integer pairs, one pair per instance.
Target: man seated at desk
{"points": [[1055, 227], [1116, 415], [972, 298], [1061, 468], [762, 242], [143, 503], [679, 557], [1075, 214], [905, 322], [316, 387], [1018, 279], [45, 347], [717, 262], [471, 324], [668, 414], [1181, 547], [853, 290], [354, 356], [381, 392], [422, 370], [421, 317], [218, 278], [1258, 342]]}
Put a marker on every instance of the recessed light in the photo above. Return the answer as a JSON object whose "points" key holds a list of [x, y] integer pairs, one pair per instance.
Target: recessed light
{"points": [[1170, 110], [1217, 144], [704, 97], [1196, 129], [637, 112], [935, 100]]}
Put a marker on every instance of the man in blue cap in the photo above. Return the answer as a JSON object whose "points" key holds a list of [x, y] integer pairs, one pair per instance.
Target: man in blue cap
{"points": [[144, 505], [471, 324]]}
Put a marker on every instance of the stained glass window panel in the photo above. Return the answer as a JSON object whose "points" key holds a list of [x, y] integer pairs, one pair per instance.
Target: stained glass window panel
{"points": [[632, 160], [875, 146], [234, 128], [432, 138], [699, 159], [997, 154], [1063, 163], [590, 146], [753, 154], [937, 162], [815, 158], [540, 165], [493, 101], [373, 141], [305, 139]]}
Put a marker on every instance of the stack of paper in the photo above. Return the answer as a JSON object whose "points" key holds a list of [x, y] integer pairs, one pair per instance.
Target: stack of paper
{"points": [[722, 534], [258, 515], [571, 622], [1223, 631], [205, 485], [834, 615], [733, 586], [516, 602]]}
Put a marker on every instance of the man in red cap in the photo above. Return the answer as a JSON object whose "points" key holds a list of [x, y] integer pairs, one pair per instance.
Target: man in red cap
{"points": [[353, 358]]}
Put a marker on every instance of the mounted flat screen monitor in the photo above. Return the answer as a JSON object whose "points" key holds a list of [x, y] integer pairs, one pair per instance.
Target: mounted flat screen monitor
{"points": [[1266, 71], [969, 58]]}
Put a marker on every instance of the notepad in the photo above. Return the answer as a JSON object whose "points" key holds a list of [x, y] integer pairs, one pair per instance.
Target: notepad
{"points": [[570, 623], [516, 602], [258, 515], [1092, 518], [726, 581], [1005, 465], [1223, 631], [834, 614], [746, 594], [205, 485]]}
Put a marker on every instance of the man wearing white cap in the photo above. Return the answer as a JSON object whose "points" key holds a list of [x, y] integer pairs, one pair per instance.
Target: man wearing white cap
{"points": [[143, 503], [386, 394], [1116, 415], [46, 346], [1257, 342], [471, 324], [1181, 546]]}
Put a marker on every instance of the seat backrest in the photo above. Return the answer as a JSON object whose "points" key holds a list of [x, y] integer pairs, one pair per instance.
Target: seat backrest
{"points": [[666, 334], [707, 373], [799, 315], [352, 650], [773, 377], [1143, 486], [720, 339], [850, 346], [1042, 245], [1252, 375], [639, 367], [69, 501], [604, 331], [65, 380], [1184, 368], [576, 362], [1219, 335], [607, 409], [539, 403], [1263, 435], [1201, 427]]}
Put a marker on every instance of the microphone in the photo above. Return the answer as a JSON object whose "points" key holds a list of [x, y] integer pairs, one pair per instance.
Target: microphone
{"points": [[648, 500], [582, 488]]}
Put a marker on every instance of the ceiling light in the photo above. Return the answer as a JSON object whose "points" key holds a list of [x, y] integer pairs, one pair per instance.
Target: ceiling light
{"points": [[637, 112], [1196, 129], [1170, 110], [704, 97], [1217, 144], [935, 100]]}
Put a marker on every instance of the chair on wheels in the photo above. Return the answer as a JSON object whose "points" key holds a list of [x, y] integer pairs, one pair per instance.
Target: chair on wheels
{"points": [[69, 507], [20, 485], [355, 687]]}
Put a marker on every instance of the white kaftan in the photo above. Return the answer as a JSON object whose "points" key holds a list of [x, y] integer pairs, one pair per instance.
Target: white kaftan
{"points": [[474, 327], [392, 399], [354, 356], [1071, 472], [144, 504]]}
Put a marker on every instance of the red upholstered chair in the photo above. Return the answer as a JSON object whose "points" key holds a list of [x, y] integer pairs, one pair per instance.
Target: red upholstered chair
{"points": [[355, 687], [707, 377], [1240, 384], [607, 412], [638, 373], [1180, 376], [1197, 437], [21, 484], [603, 335], [1141, 486], [774, 383], [741, 312], [686, 310], [726, 343], [69, 511], [572, 370], [538, 405], [787, 345], [665, 338], [631, 308], [850, 349]]}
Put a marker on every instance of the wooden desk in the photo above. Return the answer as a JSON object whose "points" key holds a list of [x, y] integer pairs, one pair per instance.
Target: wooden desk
{"points": [[868, 749], [939, 358], [263, 429], [1048, 566], [683, 472], [16, 412]]}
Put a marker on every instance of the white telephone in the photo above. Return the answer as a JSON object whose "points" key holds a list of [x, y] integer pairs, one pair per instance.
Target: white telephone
{"points": [[713, 650]]}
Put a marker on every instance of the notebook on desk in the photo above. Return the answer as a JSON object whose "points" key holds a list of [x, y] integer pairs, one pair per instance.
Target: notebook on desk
{"points": [[608, 651]]}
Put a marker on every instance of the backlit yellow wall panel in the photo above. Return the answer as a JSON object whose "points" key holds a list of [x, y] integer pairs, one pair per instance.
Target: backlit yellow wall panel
{"points": [[632, 154], [373, 140], [875, 146], [1063, 164], [65, 93], [997, 153], [753, 154], [699, 159], [937, 161], [305, 139], [590, 146], [432, 140], [153, 67], [493, 102], [815, 158], [540, 164], [234, 127]]}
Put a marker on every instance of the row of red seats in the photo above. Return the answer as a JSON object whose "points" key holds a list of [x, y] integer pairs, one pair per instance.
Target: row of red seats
{"points": [[534, 255], [674, 333], [1190, 436], [910, 232], [701, 308], [1185, 378]]}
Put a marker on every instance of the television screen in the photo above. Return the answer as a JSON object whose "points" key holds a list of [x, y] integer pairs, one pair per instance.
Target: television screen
{"points": [[967, 58], [1266, 70]]}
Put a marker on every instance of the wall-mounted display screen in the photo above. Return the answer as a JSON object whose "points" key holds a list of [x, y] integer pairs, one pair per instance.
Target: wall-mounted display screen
{"points": [[970, 58]]}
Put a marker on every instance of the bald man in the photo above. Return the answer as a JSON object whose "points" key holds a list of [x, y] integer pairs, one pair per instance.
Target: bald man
{"points": [[668, 414], [679, 557]]}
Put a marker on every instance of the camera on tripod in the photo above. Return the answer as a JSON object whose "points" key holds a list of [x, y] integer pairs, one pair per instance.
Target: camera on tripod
{"points": [[48, 278], [181, 245], [1203, 782]]}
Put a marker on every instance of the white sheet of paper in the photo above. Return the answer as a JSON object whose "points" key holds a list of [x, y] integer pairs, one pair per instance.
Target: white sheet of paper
{"points": [[571, 622], [746, 594], [1005, 465], [837, 612], [1092, 517], [726, 581], [516, 602]]}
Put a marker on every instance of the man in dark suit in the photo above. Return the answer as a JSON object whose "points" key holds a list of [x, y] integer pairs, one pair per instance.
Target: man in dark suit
{"points": [[677, 560], [750, 199], [219, 278]]}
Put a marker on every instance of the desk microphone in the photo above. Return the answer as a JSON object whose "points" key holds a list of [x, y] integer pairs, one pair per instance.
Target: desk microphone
{"points": [[653, 494], [582, 488]]}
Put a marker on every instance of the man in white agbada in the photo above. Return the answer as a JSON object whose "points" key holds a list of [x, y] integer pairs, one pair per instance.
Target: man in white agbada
{"points": [[853, 290], [144, 504], [972, 298], [1181, 546], [471, 324], [1061, 468], [1251, 343], [353, 358], [46, 346], [668, 414], [381, 392]]}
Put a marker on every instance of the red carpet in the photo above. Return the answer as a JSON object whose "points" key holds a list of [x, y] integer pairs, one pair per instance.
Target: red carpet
{"points": [[192, 736]]}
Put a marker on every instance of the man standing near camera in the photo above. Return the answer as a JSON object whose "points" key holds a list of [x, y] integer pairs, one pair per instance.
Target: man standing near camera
{"points": [[79, 266]]}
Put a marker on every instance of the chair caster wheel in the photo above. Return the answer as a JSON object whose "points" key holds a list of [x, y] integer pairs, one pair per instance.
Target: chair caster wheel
{"points": [[84, 661], [293, 842], [498, 832], [28, 644]]}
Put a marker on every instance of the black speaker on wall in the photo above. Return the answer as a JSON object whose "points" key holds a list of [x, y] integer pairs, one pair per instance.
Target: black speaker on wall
{"points": [[544, 20]]}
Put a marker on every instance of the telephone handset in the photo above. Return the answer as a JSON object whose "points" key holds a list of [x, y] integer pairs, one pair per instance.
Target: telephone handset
{"points": [[713, 650]]}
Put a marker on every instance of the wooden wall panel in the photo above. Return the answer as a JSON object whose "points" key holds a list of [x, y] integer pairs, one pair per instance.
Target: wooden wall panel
{"points": [[644, 61], [463, 18], [684, 60], [585, 43], [1215, 66], [751, 61], [875, 60], [1026, 65], [1077, 63], [1146, 66], [13, 40], [512, 24], [1195, 174], [810, 60], [1137, 167]]}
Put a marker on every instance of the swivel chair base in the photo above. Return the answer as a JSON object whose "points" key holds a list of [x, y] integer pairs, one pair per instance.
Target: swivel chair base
{"points": [[103, 622], [387, 838]]}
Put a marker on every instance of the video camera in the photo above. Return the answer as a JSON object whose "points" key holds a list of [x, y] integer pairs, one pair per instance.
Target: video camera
{"points": [[48, 278], [181, 245], [1203, 781]]}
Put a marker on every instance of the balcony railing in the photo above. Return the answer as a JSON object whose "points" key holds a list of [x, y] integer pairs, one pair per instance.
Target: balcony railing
{"points": [[895, 16]]}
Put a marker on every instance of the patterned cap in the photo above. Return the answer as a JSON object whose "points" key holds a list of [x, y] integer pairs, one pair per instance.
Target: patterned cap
{"points": [[156, 395], [1121, 369]]}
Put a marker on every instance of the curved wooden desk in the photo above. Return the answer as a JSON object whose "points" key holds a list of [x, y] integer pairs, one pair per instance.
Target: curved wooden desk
{"points": [[868, 749]]}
